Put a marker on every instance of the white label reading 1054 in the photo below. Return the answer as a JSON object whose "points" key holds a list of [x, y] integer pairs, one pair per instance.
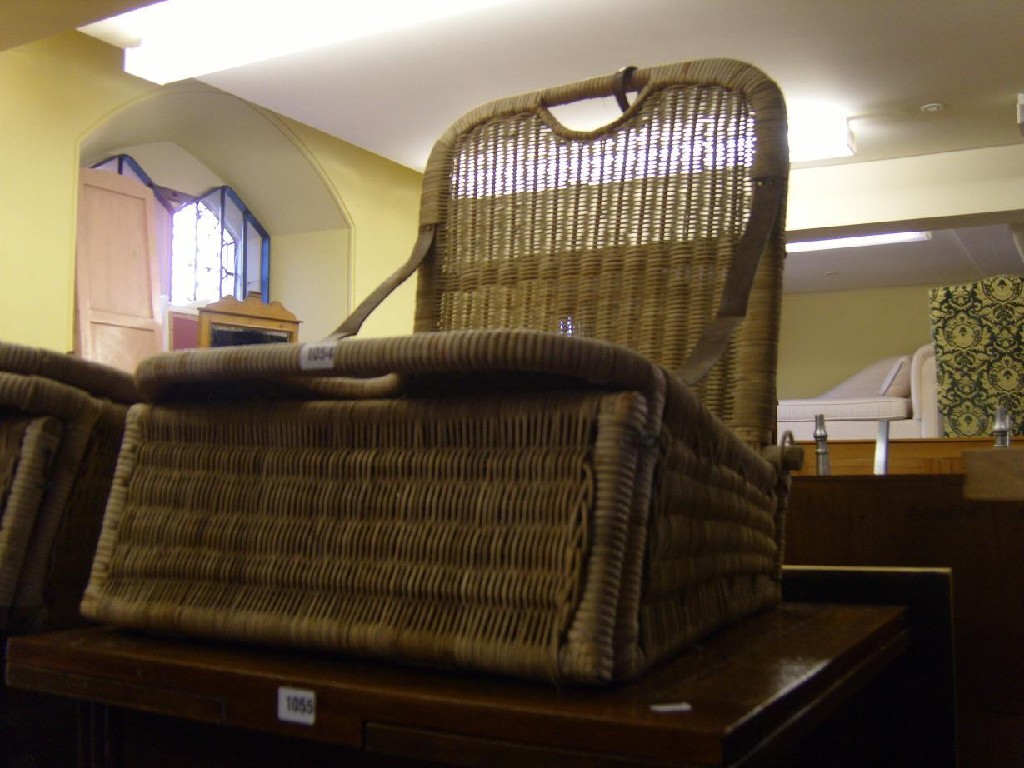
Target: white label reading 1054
{"points": [[295, 705], [317, 356]]}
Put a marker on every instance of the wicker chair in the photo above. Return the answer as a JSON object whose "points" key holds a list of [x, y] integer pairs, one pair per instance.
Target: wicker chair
{"points": [[61, 423], [527, 484]]}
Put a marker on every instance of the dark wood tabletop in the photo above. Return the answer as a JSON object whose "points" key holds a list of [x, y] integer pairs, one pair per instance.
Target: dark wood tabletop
{"points": [[732, 700]]}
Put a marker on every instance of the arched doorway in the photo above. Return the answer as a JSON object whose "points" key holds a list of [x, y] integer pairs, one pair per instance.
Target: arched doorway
{"points": [[190, 137]]}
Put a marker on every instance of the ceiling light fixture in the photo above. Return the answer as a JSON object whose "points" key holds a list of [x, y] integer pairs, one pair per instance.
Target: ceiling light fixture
{"points": [[818, 131], [860, 241], [178, 39]]}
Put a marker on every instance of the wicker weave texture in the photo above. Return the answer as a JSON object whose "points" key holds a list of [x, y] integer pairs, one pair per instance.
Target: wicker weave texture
{"points": [[713, 550], [27, 448], [62, 469], [73, 546], [485, 532], [625, 233], [96, 379], [401, 529]]}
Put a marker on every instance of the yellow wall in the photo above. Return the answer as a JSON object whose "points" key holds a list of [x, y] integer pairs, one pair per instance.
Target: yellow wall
{"points": [[57, 91], [51, 92], [826, 337], [947, 185], [309, 276], [382, 200]]}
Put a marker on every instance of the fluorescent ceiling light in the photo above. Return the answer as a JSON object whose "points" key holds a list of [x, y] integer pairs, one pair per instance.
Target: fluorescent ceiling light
{"points": [[858, 242], [178, 39], [818, 131]]}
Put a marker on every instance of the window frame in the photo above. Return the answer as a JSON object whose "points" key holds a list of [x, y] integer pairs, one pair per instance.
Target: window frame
{"points": [[224, 194]]}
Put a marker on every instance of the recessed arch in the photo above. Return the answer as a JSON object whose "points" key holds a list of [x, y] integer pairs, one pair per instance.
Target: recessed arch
{"points": [[240, 143], [257, 154]]}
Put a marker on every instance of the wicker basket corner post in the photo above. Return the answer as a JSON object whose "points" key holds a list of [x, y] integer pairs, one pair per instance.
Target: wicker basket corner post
{"points": [[561, 474]]}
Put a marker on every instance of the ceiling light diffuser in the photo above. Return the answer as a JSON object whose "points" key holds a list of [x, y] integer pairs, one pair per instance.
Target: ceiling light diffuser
{"points": [[818, 131], [861, 241], [178, 39]]}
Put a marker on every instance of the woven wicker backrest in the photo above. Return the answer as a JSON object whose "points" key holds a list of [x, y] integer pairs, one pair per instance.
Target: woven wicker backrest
{"points": [[624, 234]]}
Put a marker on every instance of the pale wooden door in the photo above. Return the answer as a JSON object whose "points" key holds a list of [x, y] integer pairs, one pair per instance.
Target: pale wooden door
{"points": [[117, 277]]}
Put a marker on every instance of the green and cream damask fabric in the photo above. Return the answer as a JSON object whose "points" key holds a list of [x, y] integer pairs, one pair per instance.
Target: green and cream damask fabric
{"points": [[978, 331]]}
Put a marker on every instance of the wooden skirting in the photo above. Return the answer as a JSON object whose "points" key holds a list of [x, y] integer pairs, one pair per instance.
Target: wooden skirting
{"points": [[936, 456]]}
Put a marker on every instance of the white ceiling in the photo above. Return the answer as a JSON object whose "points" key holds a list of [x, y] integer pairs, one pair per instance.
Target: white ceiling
{"points": [[395, 92]]}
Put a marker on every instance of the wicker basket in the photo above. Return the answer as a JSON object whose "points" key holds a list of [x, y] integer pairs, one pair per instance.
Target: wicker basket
{"points": [[61, 423], [526, 485]]}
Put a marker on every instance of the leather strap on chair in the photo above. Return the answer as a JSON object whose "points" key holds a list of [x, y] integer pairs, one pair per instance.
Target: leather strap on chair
{"points": [[733, 307], [623, 79], [355, 320]]}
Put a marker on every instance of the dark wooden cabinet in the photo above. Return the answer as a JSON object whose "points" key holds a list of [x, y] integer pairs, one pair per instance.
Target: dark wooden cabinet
{"points": [[754, 694], [924, 521]]}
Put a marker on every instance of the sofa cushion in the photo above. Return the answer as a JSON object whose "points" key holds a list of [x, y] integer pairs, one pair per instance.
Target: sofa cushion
{"points": [[874, 380], [897, 381], [847, 408]]}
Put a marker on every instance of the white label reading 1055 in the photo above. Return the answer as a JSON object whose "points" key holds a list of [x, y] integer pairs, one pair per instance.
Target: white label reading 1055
{"points": [[295, 705]]}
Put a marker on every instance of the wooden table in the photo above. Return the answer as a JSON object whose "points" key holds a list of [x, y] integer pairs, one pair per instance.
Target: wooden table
{"points": [[752, 693]]}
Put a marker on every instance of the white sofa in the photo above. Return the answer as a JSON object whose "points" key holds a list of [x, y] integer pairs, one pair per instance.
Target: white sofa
{"points": [[900, 389]]}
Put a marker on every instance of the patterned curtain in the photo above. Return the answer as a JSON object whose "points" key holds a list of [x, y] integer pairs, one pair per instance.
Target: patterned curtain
{"points": [[978, 331]]}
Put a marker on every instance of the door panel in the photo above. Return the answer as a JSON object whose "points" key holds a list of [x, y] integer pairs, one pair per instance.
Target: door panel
{"points": [[117, 278]]}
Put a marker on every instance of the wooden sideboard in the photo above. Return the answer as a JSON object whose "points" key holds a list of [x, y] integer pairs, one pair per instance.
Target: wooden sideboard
{"points": [[230, 322], [932, 456]]}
